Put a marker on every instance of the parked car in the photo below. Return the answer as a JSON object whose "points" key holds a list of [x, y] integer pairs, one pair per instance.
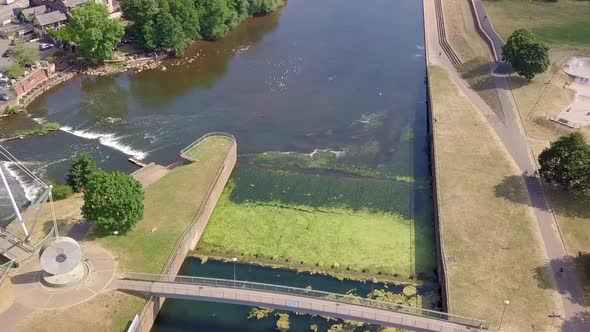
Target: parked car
{"points": [[4, 97], [45, 46], [6, 53]]}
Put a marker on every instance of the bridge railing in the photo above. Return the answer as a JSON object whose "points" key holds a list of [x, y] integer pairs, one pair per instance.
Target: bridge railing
{"points": [[304, 292]]}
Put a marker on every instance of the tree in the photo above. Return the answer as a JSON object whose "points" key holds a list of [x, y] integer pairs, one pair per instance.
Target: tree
{"points": [[24, 55], [114, 201], [528, 56], [82, 169], [567, 162], [93, 32]]}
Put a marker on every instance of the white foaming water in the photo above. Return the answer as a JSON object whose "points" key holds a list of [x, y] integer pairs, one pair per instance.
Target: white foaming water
{"points": [[29, 185], [106, 139]]}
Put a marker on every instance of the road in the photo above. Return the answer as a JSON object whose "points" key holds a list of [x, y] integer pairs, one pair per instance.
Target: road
{"points": [[515, 141]]}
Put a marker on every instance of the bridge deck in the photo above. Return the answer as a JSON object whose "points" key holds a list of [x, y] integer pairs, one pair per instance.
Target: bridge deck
{"points": [[293, 302]]}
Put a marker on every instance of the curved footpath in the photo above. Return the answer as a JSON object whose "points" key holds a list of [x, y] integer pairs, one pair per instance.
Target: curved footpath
{"points": [[515, 141]]}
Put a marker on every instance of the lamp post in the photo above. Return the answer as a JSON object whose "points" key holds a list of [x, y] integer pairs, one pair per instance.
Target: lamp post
{"points": [[234, 259], [506, 303]]}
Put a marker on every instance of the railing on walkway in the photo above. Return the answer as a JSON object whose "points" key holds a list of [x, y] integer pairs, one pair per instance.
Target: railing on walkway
{"points": [[308, 293]]}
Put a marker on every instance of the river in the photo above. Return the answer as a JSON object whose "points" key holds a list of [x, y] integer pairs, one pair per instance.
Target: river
{"points": [[300, 79]]}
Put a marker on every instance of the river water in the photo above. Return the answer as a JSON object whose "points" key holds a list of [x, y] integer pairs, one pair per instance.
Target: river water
{"points": [[299, 79]]}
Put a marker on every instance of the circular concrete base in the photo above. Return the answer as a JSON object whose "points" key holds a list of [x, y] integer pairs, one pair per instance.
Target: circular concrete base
{"points": [[31, 290], [72, 278]]}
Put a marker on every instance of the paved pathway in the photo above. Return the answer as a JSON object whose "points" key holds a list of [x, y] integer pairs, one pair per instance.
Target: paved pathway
{"points": [[486, 25], [295, 299], [515, 141]]}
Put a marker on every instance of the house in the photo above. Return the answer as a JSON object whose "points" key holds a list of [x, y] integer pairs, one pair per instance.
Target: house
{"points": [[46, 21], [28, 14], [63, 6]]}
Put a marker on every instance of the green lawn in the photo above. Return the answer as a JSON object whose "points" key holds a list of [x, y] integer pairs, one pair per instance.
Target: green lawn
{"points": [[320, 223], [577, 32], [170, 207], [562, 22]]}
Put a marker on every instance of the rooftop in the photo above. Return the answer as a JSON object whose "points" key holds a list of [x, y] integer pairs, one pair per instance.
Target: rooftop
{"points": [[50, 18]]}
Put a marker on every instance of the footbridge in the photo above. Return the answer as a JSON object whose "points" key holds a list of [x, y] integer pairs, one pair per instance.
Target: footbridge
{"points": [[298, 300]]}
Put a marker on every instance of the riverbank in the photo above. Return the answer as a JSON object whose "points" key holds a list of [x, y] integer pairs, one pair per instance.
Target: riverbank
{"points": [[563, 26], [146, 248], [492, 246]]}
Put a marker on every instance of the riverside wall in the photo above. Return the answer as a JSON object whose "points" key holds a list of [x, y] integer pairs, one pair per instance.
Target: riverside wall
{"points": [[189, 239], [441, 268]]}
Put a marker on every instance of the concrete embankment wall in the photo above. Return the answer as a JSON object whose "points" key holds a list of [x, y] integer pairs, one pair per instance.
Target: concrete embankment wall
{"points": [[190, 237], [438, 227]]}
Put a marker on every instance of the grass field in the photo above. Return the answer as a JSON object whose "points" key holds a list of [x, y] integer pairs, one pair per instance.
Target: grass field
{"points": [[565, 26], [170, 207], [563, 22], [288, 220], [491, 243]]}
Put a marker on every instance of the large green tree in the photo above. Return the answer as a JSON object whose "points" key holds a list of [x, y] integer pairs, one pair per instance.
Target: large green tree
{"points": [[24, 55], [114, 201], [527, 55], [82, 169], [567, 162], [171, 24], [92, 31]]}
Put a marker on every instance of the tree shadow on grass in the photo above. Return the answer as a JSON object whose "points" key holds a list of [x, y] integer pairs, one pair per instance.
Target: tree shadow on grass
{"points": [[513, 189], [563, 202], [559, 274]]}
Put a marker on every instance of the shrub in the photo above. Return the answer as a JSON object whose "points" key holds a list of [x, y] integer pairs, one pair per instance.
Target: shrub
{"points": [[15, 71], [11, 110], [114, 201], [82, 169], [61, 191], [24, 55]]}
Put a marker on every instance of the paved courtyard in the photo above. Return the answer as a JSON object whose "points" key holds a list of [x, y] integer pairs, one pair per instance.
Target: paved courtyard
{"points": [[577, 114]]}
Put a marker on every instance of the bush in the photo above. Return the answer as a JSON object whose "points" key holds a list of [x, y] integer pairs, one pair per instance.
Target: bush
{"points": [[24, 55], [61, 191], [11, 110], [114, 201], [15, 71], [82, 169]]}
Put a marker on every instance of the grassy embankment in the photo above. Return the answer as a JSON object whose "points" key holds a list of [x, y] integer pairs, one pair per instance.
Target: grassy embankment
{"points": [[492, 243], [170, 206], [565, 26], [472, 50]]}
